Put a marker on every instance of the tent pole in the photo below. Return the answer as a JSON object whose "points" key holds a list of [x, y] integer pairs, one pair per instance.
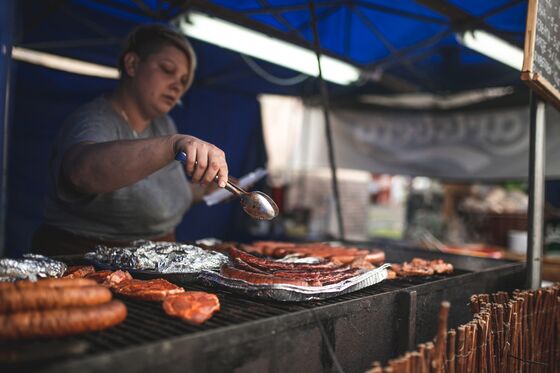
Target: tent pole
{"points": [[536, 192], [6, 34], [328, 132]]}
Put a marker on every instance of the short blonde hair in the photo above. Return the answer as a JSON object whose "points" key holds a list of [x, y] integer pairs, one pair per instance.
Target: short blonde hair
{"points": [[148, 39]]}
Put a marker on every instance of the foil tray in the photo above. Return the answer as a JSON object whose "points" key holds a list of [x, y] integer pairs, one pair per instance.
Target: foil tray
{"points": [[293, 293]]}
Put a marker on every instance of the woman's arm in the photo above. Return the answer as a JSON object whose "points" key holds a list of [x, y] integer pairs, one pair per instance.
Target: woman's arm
{"points": [[104, 167]]}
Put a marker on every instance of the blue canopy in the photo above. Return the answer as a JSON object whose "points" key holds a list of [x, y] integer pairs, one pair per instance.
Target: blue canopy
{"points": [[412, 44]]}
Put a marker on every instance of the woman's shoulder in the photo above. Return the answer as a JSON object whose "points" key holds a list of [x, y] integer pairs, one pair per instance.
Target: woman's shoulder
{"points": [[98, 107]]}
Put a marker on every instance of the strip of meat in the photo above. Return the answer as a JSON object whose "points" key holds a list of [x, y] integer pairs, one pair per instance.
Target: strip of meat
{"points": [[295, 271], [422, 267], [150, 290], [274, 265], [337, 254], [258, 278], [48, 283], [194, 307], [267, 247], [78, 271], [116, 278], [240, 263], [43, 298], [109, 278], [99, 276], [61, 322], [375, 256], [313, 278], [441, 267], [320, 278], [343, 259], [362, 263]]}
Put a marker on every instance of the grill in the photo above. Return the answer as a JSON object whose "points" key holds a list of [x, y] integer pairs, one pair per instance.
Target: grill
{"points": [[345, 333]]}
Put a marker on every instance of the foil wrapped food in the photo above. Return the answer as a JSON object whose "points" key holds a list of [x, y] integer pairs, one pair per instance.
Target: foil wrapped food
{"points": [[159, 257], [30, 267]]}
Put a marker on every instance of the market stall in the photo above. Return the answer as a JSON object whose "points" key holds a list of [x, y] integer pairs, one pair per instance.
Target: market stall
{"points": [[278, 315]]}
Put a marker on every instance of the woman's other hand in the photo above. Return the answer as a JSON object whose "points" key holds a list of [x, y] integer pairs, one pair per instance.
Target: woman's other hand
{"points": [[204, 160]]}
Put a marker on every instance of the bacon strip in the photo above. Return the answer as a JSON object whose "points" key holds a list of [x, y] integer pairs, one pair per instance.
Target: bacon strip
{"points": [[268, 264], [258, 278]]}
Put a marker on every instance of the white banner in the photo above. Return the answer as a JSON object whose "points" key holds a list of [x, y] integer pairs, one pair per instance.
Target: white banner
{"points": [[472, 145]]}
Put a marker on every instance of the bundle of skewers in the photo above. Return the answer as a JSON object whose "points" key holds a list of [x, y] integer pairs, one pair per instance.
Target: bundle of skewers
{"points": [[520, 333]]}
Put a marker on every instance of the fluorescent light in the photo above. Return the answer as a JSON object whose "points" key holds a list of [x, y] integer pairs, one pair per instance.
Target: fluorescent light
{"points": [[246, 41], [493, 47], [64, 63]]}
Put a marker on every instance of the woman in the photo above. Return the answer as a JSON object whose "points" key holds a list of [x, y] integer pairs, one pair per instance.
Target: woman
{"points": [[113, 178]]}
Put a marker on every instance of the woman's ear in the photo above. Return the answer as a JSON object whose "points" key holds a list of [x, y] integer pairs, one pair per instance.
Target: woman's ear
{"points": [[131, 61]]}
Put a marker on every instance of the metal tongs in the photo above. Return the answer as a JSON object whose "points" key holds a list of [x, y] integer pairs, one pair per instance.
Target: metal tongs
{"points": [[256, 204]]}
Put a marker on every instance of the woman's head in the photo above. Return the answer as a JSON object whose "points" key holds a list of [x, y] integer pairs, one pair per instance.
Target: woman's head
{"points": [[157, 66], [149, 39]]}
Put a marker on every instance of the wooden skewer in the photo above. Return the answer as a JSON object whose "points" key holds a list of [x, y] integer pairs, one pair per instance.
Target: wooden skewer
{"points": [[521, 334], [438, 362], [450, 364], [461, 349]]}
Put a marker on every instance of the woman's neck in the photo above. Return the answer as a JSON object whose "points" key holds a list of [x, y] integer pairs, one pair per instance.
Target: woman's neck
{"points": [[126, 105]]}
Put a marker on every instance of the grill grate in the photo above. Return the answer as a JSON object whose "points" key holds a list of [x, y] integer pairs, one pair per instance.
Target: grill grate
{"points": [[147, 322]]}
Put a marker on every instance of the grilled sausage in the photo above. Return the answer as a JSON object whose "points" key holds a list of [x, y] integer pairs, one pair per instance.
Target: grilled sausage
{"points": [[61, 322], [47, 283], [43, 298]]}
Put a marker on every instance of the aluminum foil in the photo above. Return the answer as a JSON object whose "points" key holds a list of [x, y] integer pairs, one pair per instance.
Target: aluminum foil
{"points": [[158, 257], [30, 267], [293, 293]]}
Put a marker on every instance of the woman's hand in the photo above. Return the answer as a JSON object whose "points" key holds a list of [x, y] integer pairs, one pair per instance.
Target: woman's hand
{"points": [[204, 160]]}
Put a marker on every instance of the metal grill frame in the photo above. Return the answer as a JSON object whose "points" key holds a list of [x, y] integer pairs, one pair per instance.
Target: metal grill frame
{"points": [[250, 335]]}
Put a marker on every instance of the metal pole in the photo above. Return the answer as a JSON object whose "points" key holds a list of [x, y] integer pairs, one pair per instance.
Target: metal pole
{"points": [[536, 192], [6, 35], [325, 106]]}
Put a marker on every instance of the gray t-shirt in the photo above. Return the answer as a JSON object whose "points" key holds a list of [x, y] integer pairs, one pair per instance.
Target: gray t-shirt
{"points": [[149, 208]]}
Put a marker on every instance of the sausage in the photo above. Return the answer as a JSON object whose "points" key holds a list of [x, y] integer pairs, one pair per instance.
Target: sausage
{"points": [[37, 298], [47, 283], [258, 278], [61, 322]]}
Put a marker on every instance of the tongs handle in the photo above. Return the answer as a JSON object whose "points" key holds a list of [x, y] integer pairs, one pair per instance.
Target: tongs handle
{"points": [[232, 188]]}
